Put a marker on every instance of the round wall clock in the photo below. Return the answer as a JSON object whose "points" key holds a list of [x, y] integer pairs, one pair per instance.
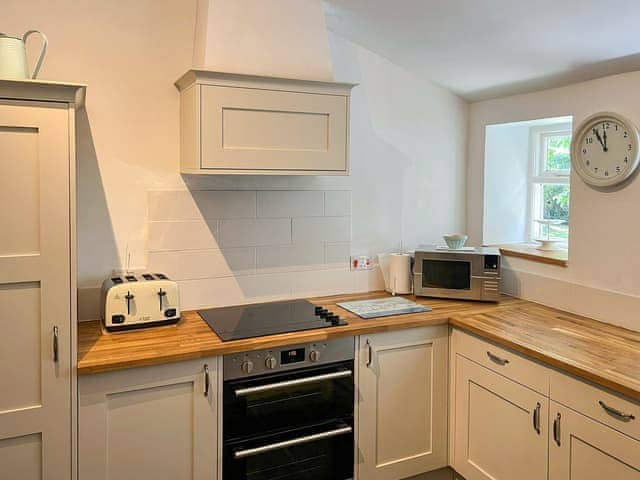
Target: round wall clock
{"points": [[605, 149]]}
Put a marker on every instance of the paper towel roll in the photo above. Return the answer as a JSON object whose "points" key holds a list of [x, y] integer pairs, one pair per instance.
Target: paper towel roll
{"points": [[400, 280]]}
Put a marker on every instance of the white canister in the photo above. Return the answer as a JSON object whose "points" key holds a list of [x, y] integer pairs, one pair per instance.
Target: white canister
{"points": [[400, 278]]}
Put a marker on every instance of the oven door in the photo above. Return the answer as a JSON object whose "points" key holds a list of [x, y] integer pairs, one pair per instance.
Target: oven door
{"points": [[286, 400], [320, 452]]}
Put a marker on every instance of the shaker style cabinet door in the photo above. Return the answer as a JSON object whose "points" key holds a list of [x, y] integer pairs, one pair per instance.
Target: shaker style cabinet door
{"points": [[500, 426], [263, 130], [584, 449], [35, 299], [402, 407], [150, 423]]}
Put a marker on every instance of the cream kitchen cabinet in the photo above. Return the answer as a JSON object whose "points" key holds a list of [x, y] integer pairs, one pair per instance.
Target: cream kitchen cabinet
{"points": [[150, 423], [402, 403], [243, 124], [500, 426], [37, 279], [588, 450]]}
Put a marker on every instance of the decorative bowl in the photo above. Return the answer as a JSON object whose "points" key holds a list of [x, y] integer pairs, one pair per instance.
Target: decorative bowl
{"points": [[455, 241]]}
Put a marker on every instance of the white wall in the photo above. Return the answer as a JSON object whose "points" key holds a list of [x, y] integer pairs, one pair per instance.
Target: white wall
{"points": [[603, 276], [506, 193], [408, 136]]}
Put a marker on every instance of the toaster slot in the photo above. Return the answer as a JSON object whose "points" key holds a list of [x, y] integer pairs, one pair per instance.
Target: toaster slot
{"points": [[131, 278]]}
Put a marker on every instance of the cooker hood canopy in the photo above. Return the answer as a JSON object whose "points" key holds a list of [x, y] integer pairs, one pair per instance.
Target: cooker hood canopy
{"points": [[275, 38]]}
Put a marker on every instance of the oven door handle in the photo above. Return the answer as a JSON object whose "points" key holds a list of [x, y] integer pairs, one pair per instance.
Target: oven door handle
{"points": [[293, 442], [243, 392]]}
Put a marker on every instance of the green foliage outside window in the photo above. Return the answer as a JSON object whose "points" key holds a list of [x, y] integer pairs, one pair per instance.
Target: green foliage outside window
{"points": [[558, 153]]}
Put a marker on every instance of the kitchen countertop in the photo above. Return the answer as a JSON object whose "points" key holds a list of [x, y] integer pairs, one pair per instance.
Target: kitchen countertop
{"points": [[599, 352]]}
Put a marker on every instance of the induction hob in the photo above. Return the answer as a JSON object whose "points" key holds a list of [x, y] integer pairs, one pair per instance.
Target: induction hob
{"points": [[258, 320]]}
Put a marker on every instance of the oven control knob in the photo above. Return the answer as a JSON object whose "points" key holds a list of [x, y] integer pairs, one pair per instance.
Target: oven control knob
{"points": [[314, 355], [247, 366], [270, 362]]}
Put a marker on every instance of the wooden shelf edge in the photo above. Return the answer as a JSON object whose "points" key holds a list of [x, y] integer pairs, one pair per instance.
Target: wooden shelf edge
{"points": [[529, 252]]}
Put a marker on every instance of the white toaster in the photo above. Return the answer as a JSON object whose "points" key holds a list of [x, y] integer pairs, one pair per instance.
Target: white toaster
{"points": [[139, 300]]}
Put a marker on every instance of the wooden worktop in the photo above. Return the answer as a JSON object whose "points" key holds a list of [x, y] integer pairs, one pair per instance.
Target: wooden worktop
{"points": [[100, 351], [601, 353]]}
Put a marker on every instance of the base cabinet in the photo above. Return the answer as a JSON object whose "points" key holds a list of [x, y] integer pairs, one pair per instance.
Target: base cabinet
{"points": [[150, 423], [500, 426], [588, 450], [402, 403]]}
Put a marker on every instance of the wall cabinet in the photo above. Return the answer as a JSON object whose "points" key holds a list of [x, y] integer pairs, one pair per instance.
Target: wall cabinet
{"points": [[150, 423], [243, 124], [402, 403], [588, 450], [501, 426], [37, 279]]}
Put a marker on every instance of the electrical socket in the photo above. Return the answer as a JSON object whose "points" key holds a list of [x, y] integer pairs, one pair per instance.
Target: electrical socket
{"points": [[362, 262]]}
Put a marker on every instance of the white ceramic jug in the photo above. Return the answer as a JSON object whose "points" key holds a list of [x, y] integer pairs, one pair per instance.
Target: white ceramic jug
{"points": [[13, 56]]}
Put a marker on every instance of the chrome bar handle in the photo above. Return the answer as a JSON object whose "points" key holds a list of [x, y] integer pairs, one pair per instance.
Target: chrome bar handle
{"points": [[243, 392], [556, 429], [625, 417], [369, 354], [206, 380], [55, 344], [536, 418], [293, 442], [496, 359]]}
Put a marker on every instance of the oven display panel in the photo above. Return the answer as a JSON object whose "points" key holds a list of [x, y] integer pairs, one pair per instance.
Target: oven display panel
{"points": [[292, 356]]}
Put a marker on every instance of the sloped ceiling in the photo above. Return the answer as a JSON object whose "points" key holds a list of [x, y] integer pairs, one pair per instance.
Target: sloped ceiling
{"points": [[483, 49]]}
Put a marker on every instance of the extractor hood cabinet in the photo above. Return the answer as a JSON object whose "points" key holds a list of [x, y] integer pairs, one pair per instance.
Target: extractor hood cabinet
{"points": [[244, 124]]}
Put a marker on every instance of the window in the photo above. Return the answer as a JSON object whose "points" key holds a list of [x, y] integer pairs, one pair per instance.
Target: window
{"points": [[549, 187]]}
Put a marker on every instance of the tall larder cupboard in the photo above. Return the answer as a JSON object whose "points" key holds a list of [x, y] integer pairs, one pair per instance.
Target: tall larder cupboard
{"points": [[37, 279]]}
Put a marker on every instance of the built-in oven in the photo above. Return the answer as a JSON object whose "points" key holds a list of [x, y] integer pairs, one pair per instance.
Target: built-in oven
{"points": [[288, 413], [472, 274]]}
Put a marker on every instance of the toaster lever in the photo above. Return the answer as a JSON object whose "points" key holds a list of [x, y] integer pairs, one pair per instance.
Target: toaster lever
{"points": [[161, 294], [129, 296]]}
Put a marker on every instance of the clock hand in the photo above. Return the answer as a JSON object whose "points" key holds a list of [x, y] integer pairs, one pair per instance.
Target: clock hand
{"points": [[605, 149], [595, 130]]}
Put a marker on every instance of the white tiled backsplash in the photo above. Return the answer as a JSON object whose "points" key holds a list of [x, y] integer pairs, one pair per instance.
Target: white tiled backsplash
{"points": [[229, 247]]}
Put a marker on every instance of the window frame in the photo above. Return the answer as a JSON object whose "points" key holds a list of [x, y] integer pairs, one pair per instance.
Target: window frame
{"points": [[538, 176]]}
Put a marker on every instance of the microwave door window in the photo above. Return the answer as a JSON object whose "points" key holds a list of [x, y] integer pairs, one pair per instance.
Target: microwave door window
{"points": [[446, 274]]}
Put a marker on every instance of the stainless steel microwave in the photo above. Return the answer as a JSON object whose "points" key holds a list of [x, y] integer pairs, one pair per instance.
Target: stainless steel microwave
{"points": [[461, 274]]}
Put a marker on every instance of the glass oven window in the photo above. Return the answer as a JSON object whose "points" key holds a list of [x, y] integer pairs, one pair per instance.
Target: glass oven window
{"points": [[446, 274]]}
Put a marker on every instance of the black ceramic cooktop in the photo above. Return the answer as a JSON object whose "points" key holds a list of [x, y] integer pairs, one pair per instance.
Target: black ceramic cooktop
{"points": [[247, 321]]}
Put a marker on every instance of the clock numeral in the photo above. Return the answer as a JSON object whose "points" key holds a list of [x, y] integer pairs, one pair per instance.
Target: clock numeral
{"points": [[616, 127], [588, 163], [606, 173], [626, 159], [629, 147], [589, 140], [595, 169], [618, 168], [626, 135], [584, 150]]}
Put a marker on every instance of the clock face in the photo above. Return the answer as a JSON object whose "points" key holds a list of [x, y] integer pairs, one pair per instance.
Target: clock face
{"points": [[605, 150]]}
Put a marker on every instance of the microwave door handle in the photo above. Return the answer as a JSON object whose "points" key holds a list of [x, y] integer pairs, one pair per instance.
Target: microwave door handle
{"points": [[243, 392], [293, 442]]}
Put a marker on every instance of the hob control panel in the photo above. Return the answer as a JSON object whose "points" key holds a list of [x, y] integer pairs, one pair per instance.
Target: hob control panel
{"points": [[261, 362]]}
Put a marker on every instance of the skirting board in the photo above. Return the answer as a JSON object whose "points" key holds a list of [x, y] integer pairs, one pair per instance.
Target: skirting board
{"points": [[603, 305]]}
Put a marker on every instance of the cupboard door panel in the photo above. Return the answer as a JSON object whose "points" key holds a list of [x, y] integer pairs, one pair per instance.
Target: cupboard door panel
{"points": [[254, 129], [35, 283], [402, 407], [150, 423], [588, 450], [501, 426]]}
